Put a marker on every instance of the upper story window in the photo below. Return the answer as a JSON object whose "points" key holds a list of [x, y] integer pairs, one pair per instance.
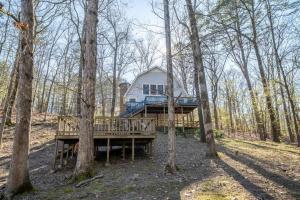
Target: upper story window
{"points": [[160, 89], [146, 89], [132, 100], [153, 89]]}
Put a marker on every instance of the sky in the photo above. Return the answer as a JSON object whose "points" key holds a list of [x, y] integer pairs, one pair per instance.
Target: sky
{"points": [[140, 11]]}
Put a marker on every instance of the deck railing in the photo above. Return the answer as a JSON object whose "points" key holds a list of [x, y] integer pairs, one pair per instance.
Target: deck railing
{"points": [[107, 126], [159, 100]]}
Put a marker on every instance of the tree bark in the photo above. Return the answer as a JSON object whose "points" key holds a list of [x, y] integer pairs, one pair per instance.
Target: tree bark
{"points": [[171, 167], [198, 60], [81, 66], [86, 141], [199, 107], [114, 82], [12, 99], [18, 179]]}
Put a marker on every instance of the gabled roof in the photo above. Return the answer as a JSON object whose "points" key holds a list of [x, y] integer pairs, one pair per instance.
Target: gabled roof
{"points": [[149, 70]]}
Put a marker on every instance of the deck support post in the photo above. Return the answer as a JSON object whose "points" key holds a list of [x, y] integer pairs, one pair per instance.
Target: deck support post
{"points": [[72, 151], [132, 149], [55, 155], [151, 148], [62, 154], [67, 155], [164, 118], [182, 119], [123, 151], [107, 152]]}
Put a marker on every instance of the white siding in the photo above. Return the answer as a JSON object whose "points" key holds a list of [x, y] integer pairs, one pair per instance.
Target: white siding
{"points": [[154, 77]]}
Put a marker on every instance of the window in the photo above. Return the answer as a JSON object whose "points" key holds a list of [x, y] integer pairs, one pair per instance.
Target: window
{"points": [[153, 90], [146, 89], [132, 100], [160, 89]]}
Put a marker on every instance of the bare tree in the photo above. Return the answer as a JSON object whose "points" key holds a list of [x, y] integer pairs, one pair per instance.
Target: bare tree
{"points": [[198, 61], [18, 179], [170, 167], [86, 140]]}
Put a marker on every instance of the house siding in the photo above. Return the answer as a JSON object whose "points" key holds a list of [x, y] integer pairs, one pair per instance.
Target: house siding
{"points": [[152, 77]]}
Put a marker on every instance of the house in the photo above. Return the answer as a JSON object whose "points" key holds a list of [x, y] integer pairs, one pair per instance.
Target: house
{"points": [[143, 106], [146, 97], [152, 82]]}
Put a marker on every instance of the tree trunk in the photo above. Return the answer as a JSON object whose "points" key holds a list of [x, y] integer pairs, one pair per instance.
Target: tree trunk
{"points": [[10, 95], [215, 108], [86, 141], [260, 128], [259, 123], [114, 83], [18, 179], [199, 107], [49, 94], [81, 66], [197, 54], [12, 98], [171, 167], [266, 88], [286, 85]]}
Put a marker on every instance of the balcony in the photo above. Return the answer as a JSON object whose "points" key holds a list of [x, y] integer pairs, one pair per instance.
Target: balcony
{"points": [[160, 100]]}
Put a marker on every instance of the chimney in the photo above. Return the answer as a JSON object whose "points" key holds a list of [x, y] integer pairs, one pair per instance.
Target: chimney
{"points": [[123, 88]]}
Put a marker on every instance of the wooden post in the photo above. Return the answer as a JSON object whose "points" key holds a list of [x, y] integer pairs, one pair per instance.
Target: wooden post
{"points": [[123, 151], [164, 117], [107, 152], [72, 151], [62, 153], [151, 148], [132, 150], [55, 155], [182, 119], [67, 155]]}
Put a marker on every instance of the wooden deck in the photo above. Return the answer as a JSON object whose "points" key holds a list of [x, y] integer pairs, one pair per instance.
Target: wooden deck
{"points": [[109, 132], [106, 127]]}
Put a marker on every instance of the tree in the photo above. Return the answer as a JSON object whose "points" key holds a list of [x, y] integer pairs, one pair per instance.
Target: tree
{"points": [[240, 51], [170, 167], [120, 29], [86, 141], [11, 93], [18, 179], [251, 10], [198, 62], [279, 67]]}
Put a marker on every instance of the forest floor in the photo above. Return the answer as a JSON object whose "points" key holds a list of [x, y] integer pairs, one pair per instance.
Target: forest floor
{"points": [[246, 169]]}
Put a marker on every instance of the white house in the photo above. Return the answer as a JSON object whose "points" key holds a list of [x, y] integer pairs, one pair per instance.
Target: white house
{"points": [[152, 82]]}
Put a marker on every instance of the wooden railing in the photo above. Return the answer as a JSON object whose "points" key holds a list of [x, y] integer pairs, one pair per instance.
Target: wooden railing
{"points": [[180, 123], [106, 126]]}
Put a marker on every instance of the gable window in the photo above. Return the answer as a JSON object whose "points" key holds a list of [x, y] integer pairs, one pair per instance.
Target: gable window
{"points": [[146, 89], [160, 89], [153, 89], [132, 100]]}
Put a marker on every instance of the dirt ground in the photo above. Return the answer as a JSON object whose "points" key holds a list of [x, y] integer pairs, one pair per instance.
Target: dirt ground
{"points": [[247, 169]]}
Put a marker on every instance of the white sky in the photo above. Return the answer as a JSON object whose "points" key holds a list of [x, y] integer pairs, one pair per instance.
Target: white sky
{"points": [[144, 22]]}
